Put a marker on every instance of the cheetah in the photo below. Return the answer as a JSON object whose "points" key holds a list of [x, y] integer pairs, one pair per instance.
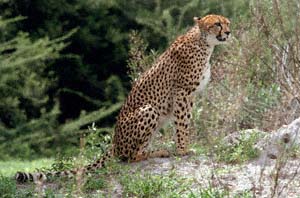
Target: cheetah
{"points": [[165, 91]]}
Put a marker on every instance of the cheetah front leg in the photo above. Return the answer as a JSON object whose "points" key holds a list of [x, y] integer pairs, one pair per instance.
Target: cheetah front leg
{"points": [[182, 108]]}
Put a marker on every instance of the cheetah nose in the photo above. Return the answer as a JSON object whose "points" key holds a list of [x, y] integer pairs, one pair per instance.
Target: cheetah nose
{"points": [[227, 32]]}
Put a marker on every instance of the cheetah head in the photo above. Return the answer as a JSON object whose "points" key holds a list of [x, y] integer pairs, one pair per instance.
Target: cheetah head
{"points": [[215, 28]]}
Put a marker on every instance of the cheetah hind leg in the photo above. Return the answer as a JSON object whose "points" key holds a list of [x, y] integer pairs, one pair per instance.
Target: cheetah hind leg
{"points": [[148, 121]]}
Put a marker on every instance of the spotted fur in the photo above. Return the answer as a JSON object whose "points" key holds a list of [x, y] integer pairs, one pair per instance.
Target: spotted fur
{"points": [[166, 91]]}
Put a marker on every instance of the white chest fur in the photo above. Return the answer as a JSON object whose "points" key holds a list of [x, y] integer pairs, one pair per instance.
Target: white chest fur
{"points": [[204, 79]]}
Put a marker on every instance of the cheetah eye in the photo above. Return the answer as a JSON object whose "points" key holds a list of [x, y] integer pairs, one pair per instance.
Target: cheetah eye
{"points": [[218, 24]]}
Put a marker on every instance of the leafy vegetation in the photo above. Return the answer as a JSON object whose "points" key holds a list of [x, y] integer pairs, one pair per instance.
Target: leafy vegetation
{"points": [[240, 150], [209, 193], [153, 185], [7, 187]]}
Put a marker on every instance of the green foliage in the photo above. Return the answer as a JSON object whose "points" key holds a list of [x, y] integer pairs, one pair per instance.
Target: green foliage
{"points": [[250, 88], [258, 101], [163, 21], [294, 151], [30, 138], [114, 90], [7, 187], [96, 51], [22, 84], [167, 20], [245, 194], [61, 163], [153, 185], [97, 142], [25, 80], [239, 151], [59, 94], [139, 59], [199, 149], [85, 119], [49, 193], [209, 193], [93, 183]]}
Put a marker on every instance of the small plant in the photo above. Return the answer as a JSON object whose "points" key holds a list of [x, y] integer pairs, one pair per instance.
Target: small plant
{"points": [[239, 151], [212, 192], [97, 142], [140, 60], [49, 193], [209, 193], [62, 163], [198, 149], [7, 187], [148, 185], [245, 194], [293, 151], [94, 183]]}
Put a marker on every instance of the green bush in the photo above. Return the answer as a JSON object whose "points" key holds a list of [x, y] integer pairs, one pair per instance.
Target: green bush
{"points": [[25, 81], [8, 187], [209, 193], [153, 185], [93, 184], [241, 150]]}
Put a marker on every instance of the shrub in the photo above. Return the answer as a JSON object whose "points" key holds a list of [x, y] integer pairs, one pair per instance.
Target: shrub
{"points": [[240, 150], [7, 187]]}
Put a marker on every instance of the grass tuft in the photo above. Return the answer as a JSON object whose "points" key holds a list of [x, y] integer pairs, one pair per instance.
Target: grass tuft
{"points": [[240, 151], [7, 187], [148, 185]]}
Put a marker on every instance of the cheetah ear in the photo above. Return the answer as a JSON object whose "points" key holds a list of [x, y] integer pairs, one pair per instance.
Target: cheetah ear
{"points": [[197, 19], [199, 22]]}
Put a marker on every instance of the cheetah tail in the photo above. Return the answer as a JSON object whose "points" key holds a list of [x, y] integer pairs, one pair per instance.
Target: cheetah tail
{"points": [[101, 161], [22, 177]]}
